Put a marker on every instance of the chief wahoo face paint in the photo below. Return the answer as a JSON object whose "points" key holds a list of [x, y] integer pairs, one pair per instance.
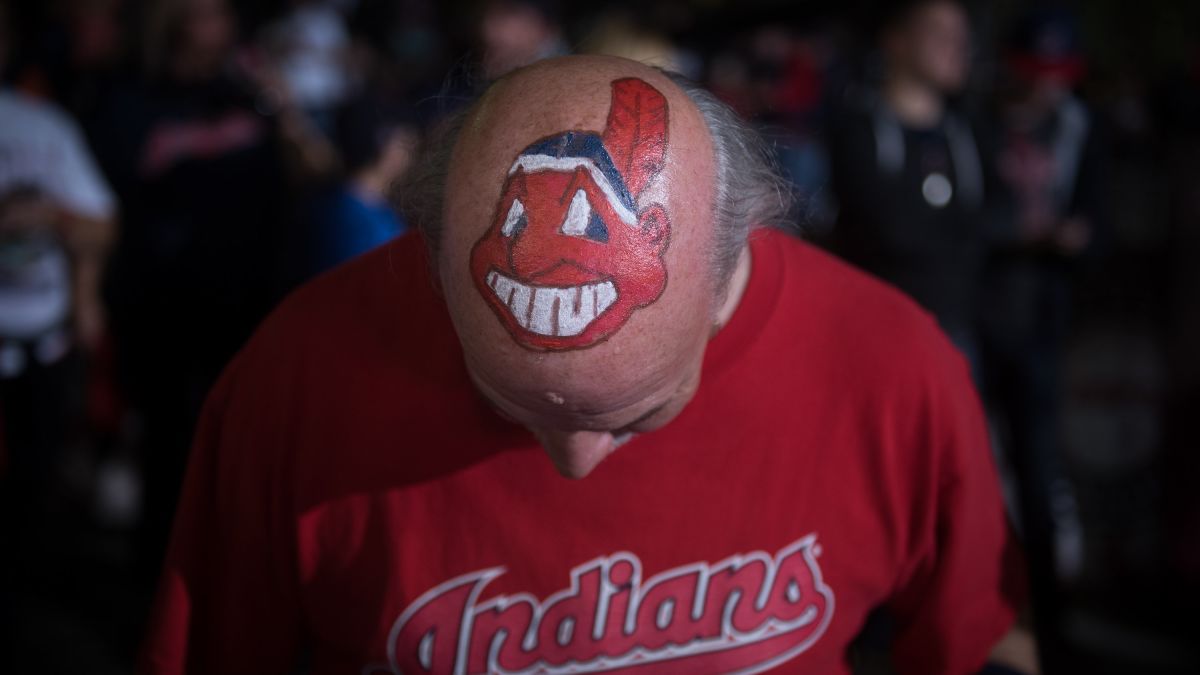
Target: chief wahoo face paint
{"points": [[570, 253]]}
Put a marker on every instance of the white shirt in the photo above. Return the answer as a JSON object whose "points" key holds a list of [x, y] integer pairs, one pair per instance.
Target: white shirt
{"points": [[42, 148]]}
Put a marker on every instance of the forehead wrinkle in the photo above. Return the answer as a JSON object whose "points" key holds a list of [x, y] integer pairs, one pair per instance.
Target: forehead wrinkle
{"points": [[598, 419], [578, 404]]}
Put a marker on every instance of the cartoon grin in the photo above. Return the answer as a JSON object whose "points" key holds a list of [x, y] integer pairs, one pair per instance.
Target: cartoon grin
{"points": [[551, 310]]}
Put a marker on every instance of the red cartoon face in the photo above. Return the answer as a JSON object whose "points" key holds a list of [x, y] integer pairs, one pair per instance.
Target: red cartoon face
{"points": [[568, 257], [559, 266]]}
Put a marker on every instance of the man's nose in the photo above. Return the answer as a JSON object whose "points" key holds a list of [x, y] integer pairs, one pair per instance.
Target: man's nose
{"points": [[576, 453]]}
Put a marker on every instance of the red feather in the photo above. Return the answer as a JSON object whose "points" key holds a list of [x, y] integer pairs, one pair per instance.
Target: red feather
{"points": [[636, 133]]}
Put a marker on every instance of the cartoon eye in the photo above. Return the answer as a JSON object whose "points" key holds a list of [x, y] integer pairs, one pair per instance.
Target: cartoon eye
{"points": [[582, 221], [516, 220]]}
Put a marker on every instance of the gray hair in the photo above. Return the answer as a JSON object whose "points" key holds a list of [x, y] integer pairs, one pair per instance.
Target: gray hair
{"points": [[750, 190]]}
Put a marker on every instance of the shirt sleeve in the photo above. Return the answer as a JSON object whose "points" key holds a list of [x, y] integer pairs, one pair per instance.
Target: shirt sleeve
{"points": [[227, 601], [959, 595]]}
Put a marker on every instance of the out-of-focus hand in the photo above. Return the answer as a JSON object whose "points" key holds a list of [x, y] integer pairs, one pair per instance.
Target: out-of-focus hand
{"points": [[26, 213], [1036, 224], [263, 74], [1017, 650], [90, 322], [1073, 235]]}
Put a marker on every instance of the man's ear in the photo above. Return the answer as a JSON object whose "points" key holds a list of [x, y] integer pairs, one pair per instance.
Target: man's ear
{"points": [[655, 227]]}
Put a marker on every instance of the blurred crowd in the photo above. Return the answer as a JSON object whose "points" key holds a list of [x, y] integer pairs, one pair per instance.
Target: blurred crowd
{"points": [[170, 169]]}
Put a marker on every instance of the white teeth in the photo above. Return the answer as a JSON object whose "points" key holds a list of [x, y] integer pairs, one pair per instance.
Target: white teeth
{"points": [[541, 321], [519, 304], [548, 310], [576, 309], [606, 295]]}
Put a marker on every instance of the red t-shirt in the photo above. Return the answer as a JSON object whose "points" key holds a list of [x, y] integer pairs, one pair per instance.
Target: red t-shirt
{"points": [[352, 498]]}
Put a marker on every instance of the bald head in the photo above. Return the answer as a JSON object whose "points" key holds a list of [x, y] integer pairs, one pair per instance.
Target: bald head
{"points": [[584, 205], [595, 159]]}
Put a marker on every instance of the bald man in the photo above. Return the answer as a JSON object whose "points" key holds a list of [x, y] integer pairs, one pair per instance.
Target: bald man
{"points": [[588, 423]]}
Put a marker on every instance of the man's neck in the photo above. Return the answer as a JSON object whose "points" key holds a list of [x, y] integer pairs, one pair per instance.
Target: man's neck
{"points": [[737, 288], [915, 103]]}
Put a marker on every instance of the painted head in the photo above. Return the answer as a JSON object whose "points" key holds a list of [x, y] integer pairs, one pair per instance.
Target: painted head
{"points": [[570, 255], [576, 241]]}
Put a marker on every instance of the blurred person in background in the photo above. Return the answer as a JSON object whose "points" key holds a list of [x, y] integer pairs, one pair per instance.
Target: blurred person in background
{"points": [[200, 173], [377, 140], [310, 49], [73, 52], [515, 33], [906, 169], [775, 75], [788, 71], [620, 32], [57, 218], [1047, 202], [909, 181]]}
